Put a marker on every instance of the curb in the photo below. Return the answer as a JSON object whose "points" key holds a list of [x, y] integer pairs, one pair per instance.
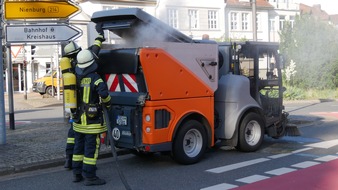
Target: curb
{"points": [[50, 163]]}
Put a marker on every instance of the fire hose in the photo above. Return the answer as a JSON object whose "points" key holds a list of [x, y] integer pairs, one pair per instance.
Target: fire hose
{"points": [[113, 149]]}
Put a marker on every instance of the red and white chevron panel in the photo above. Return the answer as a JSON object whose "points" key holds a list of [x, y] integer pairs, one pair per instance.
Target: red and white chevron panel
{"points": [[113, 83], [129, 81]]}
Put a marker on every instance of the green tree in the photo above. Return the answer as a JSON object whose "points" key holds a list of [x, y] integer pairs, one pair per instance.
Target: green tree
{"points": [[312, 45]]}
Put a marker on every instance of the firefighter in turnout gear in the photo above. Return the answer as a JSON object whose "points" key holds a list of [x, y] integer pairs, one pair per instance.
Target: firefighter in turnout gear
{"points": [[71, 50], [89, 121]]}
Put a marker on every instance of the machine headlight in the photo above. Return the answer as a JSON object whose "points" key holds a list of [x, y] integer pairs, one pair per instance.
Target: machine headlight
{"points": [[147, 118]]}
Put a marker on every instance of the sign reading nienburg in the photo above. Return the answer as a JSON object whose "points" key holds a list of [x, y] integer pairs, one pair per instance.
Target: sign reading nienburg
{"points": [[40, 33], [39, 9]]}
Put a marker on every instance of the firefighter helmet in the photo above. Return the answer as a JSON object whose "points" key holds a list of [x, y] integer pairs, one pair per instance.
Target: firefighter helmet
{"points": [[71, 49], [85, 58]]}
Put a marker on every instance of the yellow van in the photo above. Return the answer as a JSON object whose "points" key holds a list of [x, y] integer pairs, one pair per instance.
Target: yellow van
{"points": [[44, 85]]}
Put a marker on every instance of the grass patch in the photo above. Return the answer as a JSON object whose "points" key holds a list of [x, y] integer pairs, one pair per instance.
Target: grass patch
{"points": [[294, 93]]}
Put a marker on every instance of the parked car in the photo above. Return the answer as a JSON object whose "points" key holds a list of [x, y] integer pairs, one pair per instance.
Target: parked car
{"points": [[47, 84]]}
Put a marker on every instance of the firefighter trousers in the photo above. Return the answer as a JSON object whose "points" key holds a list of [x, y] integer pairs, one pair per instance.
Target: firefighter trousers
{"points": [[70, 141], [85, 154]]}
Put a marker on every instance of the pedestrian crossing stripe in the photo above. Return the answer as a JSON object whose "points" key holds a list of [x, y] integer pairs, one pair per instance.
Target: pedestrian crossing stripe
{"points": [[276, 172]]}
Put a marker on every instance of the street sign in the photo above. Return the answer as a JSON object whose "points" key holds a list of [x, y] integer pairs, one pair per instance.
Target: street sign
{"points": [[15, 50], [39, 9], [40, 33]]}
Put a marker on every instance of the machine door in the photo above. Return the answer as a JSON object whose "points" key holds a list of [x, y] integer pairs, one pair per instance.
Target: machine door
{"points": [[259, 61], [125, 119]]}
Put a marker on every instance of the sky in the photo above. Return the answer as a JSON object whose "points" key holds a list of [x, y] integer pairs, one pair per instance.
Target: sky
{"points": [[330, 6]]}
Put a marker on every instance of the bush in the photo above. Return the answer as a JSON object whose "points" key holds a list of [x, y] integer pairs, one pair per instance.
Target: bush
{"points": [[293, 93], [321, 94]]}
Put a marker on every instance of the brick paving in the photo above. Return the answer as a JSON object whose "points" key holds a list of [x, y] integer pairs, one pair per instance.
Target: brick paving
{"points": [[35, 145]]}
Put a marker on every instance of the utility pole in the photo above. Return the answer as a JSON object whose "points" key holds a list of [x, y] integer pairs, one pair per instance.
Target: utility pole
{"points": [[2, 89], [254, 20]]}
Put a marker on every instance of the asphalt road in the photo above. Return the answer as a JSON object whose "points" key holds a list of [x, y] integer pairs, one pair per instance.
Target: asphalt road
{"points": [[221, 168]]}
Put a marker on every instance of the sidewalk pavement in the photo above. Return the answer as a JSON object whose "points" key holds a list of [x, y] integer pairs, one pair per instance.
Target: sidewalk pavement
{"points": [[35, 145]]}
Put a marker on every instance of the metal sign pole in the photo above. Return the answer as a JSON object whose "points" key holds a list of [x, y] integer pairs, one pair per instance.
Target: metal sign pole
{"points": [[2, 96], [10, 91]]}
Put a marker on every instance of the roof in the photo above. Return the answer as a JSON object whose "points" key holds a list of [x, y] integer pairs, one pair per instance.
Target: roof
{"points": [[315, 11], [263, 4]]}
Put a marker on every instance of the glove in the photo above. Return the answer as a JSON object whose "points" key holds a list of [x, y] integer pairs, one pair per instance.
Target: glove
{"points": [[107, 105], [99, 28], [100, 38]]}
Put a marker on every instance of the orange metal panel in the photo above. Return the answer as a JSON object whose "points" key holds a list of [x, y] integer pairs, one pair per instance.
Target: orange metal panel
{"points": [[178, 109], [167, 78]]}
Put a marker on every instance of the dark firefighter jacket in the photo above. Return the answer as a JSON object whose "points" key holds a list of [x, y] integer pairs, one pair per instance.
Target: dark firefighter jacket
{"points": [[89, 116]]}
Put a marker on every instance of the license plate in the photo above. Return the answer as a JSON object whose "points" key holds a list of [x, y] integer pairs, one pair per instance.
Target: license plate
{"points": [[121, 120]]}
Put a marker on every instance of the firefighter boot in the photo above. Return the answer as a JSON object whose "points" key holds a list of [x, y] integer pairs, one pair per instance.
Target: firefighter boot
{"points": [[77, 178], [94, 181], [68, 163]]}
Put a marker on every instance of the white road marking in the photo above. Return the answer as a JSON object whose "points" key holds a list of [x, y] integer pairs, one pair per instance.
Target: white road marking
{"points": [[280, 171], [279, 155], [287, 154], [253, 178], [237, 165], [326, 158], [305, 164], [324, 144], [222, 186]]}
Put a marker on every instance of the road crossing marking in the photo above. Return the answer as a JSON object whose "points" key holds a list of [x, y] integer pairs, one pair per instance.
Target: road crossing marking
{"points": [[305, 164], [326, 158], [252, 162], [252, 179], [237, 165], [324, 144], [223, 186], [287, 154], [280, 171]]}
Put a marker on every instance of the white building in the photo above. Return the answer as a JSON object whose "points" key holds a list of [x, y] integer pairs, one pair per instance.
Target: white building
{"points": [[193, 18], [284, 11], [271, 15], [239, 20]]}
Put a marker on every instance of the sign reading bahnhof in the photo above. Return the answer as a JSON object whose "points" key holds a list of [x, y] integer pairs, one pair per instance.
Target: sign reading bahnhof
{"points": [[40, 33], [39, 10]]}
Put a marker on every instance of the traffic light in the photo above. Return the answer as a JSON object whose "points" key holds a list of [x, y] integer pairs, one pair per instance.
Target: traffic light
{"points": [[32, 51], [24, 65]]}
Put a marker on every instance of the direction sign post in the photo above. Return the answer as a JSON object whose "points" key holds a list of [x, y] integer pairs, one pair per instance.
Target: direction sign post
{"points": [[39, 9], [40, 33], [31, 10]]}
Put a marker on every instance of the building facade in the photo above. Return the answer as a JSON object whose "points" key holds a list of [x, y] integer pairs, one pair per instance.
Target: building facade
{"points": [[193, 18]]}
